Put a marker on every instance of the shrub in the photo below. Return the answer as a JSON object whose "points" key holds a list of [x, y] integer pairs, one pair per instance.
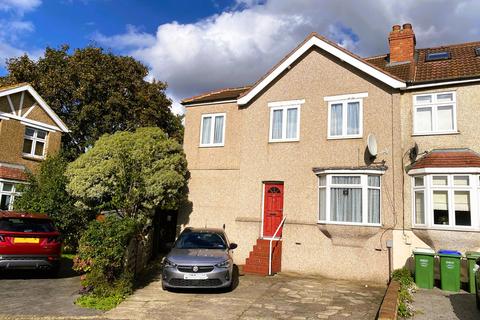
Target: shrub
{"points": [[407, 286], [101, 255], [131, 173], [46, 193]]}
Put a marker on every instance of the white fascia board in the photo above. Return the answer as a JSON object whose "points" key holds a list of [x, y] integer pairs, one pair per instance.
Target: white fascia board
{"points": [[314, 41], [438, 84], [444, 170], [41, 102], [208, 103], [47, 109], [29, 122], [346, 96], [286, 103]]}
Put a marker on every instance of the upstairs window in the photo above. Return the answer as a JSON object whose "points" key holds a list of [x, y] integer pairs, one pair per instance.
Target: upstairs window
{"points": [[434, 113], [435, 56], [285, 121], [34, 142], [345, 119], [212, 131]]}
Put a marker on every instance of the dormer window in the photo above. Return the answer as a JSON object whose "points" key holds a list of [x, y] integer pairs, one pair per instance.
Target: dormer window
{"points": [[435, 56], [34, 142], [477, 51]]}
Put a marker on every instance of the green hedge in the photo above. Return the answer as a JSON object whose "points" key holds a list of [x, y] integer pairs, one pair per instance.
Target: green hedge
{"points": [[101, 257]]}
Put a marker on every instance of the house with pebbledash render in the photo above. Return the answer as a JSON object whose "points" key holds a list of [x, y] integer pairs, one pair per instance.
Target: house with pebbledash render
{"points": [[29, 131], [287, 158]]}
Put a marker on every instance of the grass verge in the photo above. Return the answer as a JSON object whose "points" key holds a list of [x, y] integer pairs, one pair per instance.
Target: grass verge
{"points": [[100, 303]]}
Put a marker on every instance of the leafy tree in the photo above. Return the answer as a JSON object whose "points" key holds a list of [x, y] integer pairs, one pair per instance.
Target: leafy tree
{"points": [[46, 193], [95, 92], [131, 173]]}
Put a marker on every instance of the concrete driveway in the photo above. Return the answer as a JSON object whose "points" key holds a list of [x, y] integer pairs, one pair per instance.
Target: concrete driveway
{"points": [[28, 295], [436, 304], [280, 297]]}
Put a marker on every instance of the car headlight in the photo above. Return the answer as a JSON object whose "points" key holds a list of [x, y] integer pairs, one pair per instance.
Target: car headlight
{"points": [[224, 264], [168, 264]]}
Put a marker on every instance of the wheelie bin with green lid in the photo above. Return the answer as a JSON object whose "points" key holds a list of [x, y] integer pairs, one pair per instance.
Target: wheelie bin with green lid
{"points": [[472, 257], [450, 270], [424, 271]]}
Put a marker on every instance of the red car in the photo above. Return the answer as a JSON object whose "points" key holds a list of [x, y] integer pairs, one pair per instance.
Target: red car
{"points": [[29, 241]]}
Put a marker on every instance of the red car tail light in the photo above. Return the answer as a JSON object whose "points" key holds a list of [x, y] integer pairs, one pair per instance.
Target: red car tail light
{"points": [[53, 239]]}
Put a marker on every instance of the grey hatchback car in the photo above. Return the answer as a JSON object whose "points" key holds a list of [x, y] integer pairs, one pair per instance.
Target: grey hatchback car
{"points": [[200, 258]]}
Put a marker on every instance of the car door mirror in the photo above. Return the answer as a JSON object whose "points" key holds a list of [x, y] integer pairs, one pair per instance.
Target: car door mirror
{"points": [[232, 246]]}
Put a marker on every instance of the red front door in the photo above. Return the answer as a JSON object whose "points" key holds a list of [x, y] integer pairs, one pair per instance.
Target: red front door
{"points": [[272, 209]]}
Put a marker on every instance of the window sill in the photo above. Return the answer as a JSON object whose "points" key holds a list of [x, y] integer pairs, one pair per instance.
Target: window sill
{"points": [[211, 145], [34, 158], [345, 137], [435, 133], [283, 141], [356, 224], [439, 228]]}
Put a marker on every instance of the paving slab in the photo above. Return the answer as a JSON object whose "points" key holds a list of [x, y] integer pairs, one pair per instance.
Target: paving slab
{"points": [[284, 296], [444, 305]]}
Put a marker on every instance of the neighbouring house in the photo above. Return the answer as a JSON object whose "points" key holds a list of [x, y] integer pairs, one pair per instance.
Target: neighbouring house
{"points": [[293, 146], [29, 131]]}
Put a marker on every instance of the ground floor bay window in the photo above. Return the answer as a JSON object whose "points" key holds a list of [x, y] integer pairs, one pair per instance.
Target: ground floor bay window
{"points": [[446, 201], [349, 198], [7, 194]]}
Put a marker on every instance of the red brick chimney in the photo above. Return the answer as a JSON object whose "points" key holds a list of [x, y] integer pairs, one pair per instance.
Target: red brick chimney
{"points": [[402, 43]]}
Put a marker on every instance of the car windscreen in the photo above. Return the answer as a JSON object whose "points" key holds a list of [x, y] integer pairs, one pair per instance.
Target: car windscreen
{"points": [[26, 225], [200, 240]]}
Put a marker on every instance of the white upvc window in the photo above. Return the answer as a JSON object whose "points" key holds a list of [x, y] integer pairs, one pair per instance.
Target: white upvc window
{"points": [[349, 199], [345, 119], [34, 142], [212, 130], [446, 201], [285, 121], [7, 194], [434, 113]]}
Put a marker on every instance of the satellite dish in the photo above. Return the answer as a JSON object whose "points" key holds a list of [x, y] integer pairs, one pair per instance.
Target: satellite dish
{"points": [[413, 153], [372, 145]]}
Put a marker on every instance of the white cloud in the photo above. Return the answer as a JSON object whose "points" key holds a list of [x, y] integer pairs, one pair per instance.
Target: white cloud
{"points": [[238, 46], [13, 27], [19, 6]]}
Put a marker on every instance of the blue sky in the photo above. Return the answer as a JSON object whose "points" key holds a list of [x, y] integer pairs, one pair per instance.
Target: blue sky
{"points": [[200, 45], [75, 22]]}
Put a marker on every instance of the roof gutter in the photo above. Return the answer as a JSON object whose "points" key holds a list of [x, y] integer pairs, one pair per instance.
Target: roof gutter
{"points": [[438, 84]]}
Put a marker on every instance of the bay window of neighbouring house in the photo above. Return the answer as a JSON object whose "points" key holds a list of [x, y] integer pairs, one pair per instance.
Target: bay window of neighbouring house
{"points": [[434, 113], [212, 130], [285, 121], [349, 199], [34, 142], [446, 201], [7, 195]]}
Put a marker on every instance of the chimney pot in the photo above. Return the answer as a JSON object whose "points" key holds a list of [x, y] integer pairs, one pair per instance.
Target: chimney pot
{"points": [[402, 43]]}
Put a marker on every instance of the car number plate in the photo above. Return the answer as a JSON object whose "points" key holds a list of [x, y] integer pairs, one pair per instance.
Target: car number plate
{"points": [[26, 240], [195, 276]]}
